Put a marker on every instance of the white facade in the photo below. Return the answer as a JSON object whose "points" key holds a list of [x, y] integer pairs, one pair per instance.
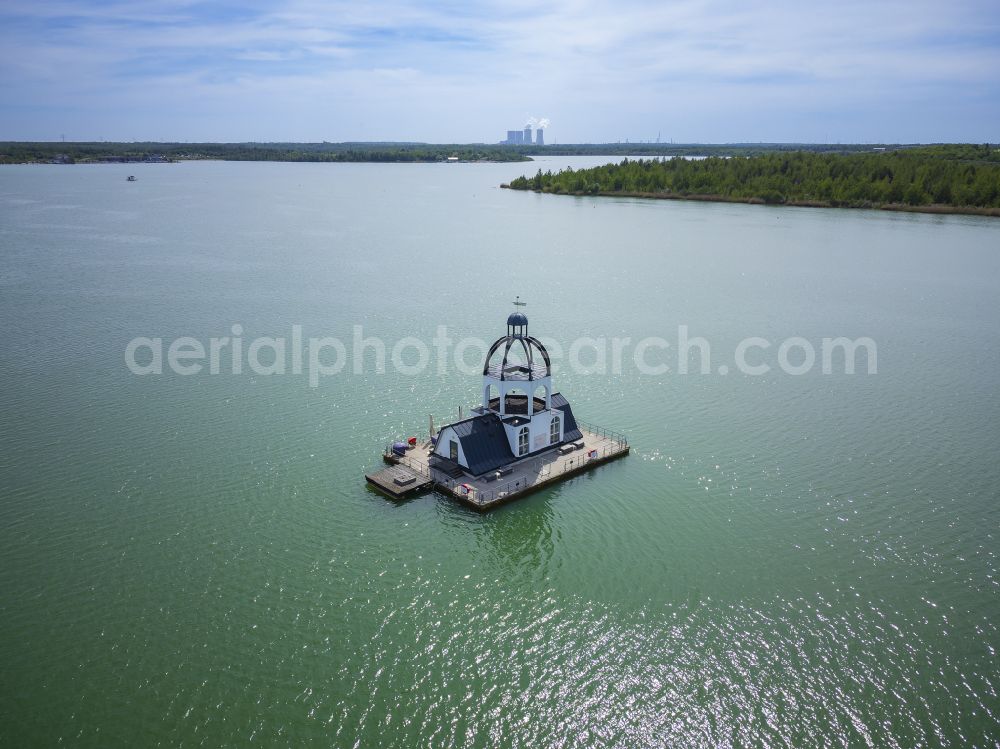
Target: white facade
{"points": [[540, 432], [447, 441], [544, 429]]}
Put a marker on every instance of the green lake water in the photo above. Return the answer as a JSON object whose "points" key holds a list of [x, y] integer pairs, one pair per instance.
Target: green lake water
{"points": [[782, 560]]}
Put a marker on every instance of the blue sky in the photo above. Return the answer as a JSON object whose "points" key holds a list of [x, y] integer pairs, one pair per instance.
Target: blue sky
{"points": [[698, 71]]}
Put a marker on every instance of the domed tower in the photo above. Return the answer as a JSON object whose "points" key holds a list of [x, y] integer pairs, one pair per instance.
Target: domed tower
{"points": [[517, 367], [520, 416]]}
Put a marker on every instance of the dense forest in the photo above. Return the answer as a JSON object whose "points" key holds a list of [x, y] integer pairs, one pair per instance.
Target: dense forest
{"points": [[692, 149], [962, 178], [69, 153]]}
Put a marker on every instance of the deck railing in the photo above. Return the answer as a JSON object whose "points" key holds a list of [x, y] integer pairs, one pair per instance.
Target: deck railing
{"points": [[604, 432], [556, 468], [424, 469], [414, 465]]}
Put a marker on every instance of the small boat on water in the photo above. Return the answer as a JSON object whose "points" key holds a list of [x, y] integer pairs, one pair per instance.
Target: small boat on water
{"points": [[131, 178]]}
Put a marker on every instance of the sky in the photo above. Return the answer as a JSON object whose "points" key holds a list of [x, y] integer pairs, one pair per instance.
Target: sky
{"points": [[456, 72]]}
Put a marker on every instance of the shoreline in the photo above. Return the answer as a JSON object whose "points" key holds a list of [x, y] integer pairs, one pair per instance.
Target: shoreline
{"points": [[931, 208], [180, 160], [16, 152]]}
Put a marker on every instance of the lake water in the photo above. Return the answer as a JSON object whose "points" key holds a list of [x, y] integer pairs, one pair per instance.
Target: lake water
{"points": [[782, 560]]}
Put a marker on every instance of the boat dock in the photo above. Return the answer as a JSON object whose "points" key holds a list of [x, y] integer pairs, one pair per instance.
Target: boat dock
{"points": [[398, 481], [420, 471]]}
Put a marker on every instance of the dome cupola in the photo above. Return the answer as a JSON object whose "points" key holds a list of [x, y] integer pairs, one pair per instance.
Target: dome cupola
{"points": [[517, 323]]}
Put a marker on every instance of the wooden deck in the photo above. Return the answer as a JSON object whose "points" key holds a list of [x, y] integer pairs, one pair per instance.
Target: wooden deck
{"points": [[398, 481], [519, 478]]}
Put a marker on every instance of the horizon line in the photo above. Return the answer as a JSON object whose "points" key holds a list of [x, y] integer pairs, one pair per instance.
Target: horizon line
{"points": [[500, 143]]}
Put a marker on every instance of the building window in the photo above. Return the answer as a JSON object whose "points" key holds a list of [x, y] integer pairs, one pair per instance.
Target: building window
{"points": [[522, 441], [453, 450], [554, 429]]}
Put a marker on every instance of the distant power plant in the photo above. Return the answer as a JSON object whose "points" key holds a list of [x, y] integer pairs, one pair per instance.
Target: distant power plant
{"points": [[523, 137]]}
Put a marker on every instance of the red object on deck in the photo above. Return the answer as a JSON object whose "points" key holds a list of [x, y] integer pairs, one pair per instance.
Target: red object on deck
{"points": [[412, 441]]}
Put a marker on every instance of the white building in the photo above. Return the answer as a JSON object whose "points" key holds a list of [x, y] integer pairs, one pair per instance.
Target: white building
{"points": [[520, 416]]}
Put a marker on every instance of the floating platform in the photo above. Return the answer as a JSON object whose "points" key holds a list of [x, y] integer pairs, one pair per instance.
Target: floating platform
{"points": [[487, 461], [399, 481], [512, 481]]}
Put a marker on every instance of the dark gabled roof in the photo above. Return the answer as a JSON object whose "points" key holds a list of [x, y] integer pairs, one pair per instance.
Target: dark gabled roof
{"points": [[571, 431], [484, 443], [484, 439]]}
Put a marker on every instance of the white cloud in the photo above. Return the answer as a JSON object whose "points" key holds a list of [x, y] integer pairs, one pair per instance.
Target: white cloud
{"points": [[696, 70]]}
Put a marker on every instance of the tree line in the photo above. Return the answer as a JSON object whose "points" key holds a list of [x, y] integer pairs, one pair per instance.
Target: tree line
{"points": [[22, 152], [959, 176], [691, 149]]}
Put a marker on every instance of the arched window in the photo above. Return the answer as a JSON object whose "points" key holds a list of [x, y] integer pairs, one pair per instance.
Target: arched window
{"points": [[554, 429], [522, 441]]}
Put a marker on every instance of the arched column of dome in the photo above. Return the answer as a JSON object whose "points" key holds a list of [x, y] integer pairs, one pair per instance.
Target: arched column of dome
{"points": [[544, 352], [493, 349], [527, 355], [528, 345]]}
